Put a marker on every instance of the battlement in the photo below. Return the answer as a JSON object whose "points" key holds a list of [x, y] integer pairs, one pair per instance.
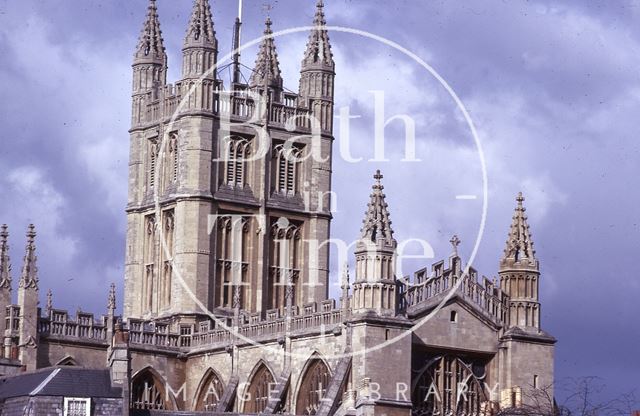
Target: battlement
{"points": [[426, 287], [286, 110]]}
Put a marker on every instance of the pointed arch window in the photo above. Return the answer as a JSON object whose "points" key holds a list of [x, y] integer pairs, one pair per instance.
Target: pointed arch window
{"points": [[285, 160], [285, 262], [259, 390], [167, 252], [152, 151], [232, 261], [172, 162], [210, 394], [449, 386], [149, 262], [313, 388], [238, 151], [147, 392]]}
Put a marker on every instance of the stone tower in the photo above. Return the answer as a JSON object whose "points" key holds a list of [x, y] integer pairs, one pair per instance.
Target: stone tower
{"points": [[229, 198], [28, 303], [520, 272], [525, 349]]}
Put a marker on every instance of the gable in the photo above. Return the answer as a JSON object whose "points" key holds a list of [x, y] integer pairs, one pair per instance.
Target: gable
{"points": [[470, 330]]}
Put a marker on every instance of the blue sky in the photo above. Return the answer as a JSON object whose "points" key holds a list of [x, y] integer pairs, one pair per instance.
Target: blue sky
{"points": [[553, 89]]}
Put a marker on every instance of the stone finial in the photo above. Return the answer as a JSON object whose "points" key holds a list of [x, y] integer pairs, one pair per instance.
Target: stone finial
{"points": [[318, 52], [150, 44], [519, 247], [201, 32], [377, 223], [455, 242], [111, 302], [29, 277], [345, 277], [267, 67], [5, 262], [49, 306]]}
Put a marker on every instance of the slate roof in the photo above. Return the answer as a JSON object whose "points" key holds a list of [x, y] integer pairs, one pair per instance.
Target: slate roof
{"points": [[65, 381]]}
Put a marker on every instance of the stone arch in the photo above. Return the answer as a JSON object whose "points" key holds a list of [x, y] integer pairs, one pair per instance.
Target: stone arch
{"points": [[256, 392], [209, 391], [435, 387], [148, 391], [67, 361], [312, 385]]}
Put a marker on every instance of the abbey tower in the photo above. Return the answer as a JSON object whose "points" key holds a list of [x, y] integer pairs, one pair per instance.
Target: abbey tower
{"points": [[226, 307]]}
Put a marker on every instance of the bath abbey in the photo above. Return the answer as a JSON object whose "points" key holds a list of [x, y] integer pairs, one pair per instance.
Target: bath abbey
{"points": [[226, 282]]}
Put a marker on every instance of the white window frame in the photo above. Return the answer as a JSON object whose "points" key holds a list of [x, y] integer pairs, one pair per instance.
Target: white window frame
{"points": [[87, 402]]}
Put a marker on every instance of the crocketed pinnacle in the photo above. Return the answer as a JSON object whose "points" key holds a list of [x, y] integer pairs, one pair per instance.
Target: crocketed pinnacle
{"points": [[201, 32], [150, 45], [376, 223], [318, 52], [29, 277], [5, 263], [111, 302], [519, 243], [267, 67]]}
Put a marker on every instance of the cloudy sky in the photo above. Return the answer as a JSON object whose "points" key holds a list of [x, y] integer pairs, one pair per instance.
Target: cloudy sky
{"points": [[552, 87]]}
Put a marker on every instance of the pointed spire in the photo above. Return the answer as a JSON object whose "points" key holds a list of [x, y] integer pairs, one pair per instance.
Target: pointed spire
{"points": [[519, 243], [318, 51], [5, 263], [29, 278], [377, 224], [201, 32], [267, 67], [151, 45]]}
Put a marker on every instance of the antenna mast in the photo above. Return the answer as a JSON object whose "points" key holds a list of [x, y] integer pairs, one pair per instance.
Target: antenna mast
{"points": [[236, 45]]}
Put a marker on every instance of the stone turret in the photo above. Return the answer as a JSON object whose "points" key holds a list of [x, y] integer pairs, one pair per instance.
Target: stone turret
{"points": [[28, 303], [149, 64], [375, 282], [519, 273], [200, 50], [5, 277], [317, 74], [267, 68]]}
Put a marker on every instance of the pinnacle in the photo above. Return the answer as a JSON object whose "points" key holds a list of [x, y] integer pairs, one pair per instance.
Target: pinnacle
{"points": [[377, 223], [29, 277], [267, 67], [201, 30], [519, 245], [5, 264], [318, 47], [150, 44]]}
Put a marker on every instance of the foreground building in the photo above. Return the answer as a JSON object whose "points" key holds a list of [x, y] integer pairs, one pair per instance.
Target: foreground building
{"points": [[226, 303]]}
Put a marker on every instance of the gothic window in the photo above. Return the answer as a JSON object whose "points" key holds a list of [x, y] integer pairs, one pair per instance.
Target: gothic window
{"points": [[167, 252], [149, 262], [237, 153], [261, 385], [152, 165], [447, 386], [172, 160], [147, 392], [313, 388], [210, 393], [285, 262], [285, 161], [232, 260]]}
